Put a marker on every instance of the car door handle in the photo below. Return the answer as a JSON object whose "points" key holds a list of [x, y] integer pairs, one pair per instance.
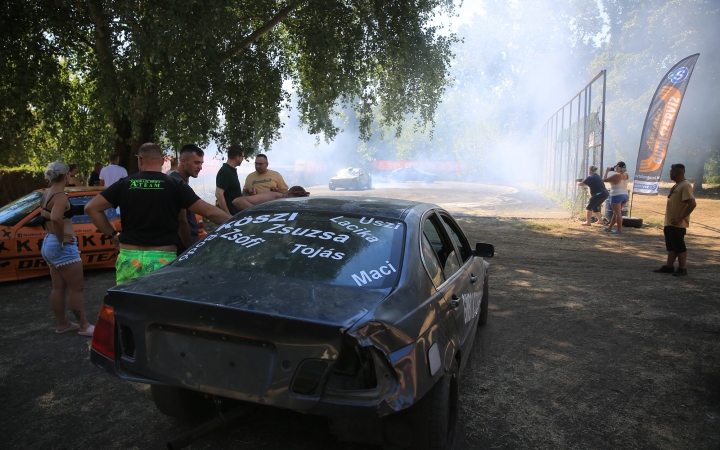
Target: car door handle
{"points": [[454, 302], [473, 278]]}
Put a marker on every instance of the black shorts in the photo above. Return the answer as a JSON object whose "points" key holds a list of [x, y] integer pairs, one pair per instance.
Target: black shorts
{"points": [[675, 239], [596, 201]]}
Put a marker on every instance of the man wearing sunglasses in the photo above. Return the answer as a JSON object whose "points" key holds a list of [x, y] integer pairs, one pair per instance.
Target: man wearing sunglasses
{"points": [[681, 202]]}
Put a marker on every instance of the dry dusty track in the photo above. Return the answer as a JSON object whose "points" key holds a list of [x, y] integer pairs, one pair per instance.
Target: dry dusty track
{"points": [[585, 348]]}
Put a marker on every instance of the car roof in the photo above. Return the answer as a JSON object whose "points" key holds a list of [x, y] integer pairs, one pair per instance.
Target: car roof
{"points": [[81, 189], [387, 207]]}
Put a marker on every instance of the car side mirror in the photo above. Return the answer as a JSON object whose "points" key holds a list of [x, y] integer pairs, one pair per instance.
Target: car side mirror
{"points": [[36, 221], [484, 250]]}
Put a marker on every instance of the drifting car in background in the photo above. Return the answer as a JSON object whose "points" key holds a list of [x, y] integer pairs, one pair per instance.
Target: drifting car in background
{"points": [[363, 310], [351, 178], [411, 174]]}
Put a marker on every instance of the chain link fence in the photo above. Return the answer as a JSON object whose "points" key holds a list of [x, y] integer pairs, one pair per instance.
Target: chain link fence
{"points": [[573, 140]]}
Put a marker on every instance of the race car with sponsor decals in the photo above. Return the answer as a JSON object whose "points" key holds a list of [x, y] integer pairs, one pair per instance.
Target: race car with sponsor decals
{"points": [[22, 234], [364, 310]]}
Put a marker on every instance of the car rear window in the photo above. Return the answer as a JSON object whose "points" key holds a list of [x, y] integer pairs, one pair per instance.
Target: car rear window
{"points": [[322, 247], [111, 213], [14, 212]]}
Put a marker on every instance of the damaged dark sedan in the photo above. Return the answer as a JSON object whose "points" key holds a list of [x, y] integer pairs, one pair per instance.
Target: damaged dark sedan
{"points": [[362, 310]]}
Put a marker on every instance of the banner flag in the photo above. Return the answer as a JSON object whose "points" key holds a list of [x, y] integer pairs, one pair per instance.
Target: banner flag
{"points": [[659, 123]]}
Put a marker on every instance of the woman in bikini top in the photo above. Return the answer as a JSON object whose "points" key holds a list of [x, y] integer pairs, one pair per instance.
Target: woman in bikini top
{"points": [[46, 207], [59, 250]]}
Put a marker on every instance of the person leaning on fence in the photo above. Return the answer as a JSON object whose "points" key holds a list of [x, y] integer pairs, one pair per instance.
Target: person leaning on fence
{"points": [[618, 179], [680, 203], [598, 194], [150, 203]]}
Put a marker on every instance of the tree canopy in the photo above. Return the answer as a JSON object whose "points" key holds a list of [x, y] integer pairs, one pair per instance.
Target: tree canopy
{"points": [[90, 77]]}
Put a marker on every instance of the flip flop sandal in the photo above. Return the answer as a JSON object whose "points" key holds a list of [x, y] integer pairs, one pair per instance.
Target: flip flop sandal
{"points": [[88, 331], [72, 327]]}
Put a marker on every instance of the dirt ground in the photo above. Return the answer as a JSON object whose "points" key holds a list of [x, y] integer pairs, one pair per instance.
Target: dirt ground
{"points": [[585, 347]]}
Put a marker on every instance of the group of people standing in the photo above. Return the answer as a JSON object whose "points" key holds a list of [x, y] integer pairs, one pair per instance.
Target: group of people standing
{"points": [[100, 176], [157, 211], [680, 204], [618, 178], [260, 186]]}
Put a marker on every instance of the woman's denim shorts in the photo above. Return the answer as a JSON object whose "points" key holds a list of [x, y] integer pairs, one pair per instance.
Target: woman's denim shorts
{"points": [[56, 255], [620, 199]]}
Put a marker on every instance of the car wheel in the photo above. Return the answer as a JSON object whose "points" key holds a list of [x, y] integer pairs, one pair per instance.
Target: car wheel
{"points": [[181, 403], [632, 222], [331, 187], [436, 414], [369, 184], [484, 306], [428, 180]]}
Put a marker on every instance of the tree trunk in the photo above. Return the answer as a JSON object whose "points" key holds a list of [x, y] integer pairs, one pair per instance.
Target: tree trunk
{"points": [[700, 173], [127, 146]]}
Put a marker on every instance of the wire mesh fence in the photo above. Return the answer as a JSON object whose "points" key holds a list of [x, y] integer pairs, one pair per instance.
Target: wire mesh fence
{"points": [[573, 140]]}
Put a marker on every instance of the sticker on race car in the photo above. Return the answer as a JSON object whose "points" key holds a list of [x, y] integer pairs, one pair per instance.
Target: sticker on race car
{"points": [[379, 223], [471, 305], [280, 217], [239, 238], [364, 277], [365, 233], [311, 252], [307, 232]]}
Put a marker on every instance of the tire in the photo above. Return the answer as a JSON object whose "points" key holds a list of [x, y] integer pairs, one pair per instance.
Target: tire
{"points": [[435, 415], [632, 222], [181, 403], [369, 184], [331, 187], [482, 320]]}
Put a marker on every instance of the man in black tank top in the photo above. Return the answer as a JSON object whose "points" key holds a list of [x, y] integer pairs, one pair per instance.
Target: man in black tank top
{"points": [[150, 205]]}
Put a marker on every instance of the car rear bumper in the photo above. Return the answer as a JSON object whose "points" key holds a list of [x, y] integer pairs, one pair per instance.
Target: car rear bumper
{"points": [[319, 406]]}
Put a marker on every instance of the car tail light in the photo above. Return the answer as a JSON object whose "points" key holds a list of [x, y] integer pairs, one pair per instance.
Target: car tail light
{"points": [[308, 377], [103, 340], [360, 373]]}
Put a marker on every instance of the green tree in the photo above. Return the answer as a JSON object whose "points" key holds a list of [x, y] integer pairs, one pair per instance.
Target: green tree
{"points": [[646, 39], [177, 72]]}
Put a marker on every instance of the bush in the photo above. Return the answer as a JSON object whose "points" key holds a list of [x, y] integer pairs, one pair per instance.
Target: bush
{"points": [[18, 181]]}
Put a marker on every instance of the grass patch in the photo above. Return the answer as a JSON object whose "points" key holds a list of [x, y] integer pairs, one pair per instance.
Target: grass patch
{"points": [[537, 226], [654, 222]]}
